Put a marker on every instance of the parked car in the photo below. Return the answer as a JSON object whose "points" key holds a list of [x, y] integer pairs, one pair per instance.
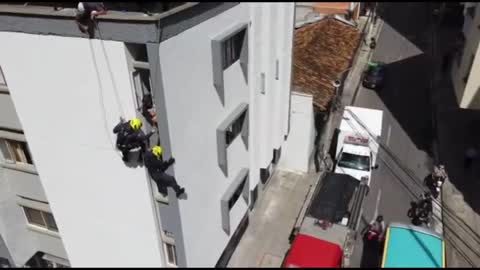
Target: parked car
{"points": [[374, 75]]}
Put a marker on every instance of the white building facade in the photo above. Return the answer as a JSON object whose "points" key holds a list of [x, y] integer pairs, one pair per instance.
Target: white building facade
{"points": [[465, 70], [220, 77]]}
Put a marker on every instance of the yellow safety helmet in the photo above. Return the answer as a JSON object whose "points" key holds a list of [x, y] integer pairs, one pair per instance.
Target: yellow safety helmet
{"points": [[157, 151], [136, 123]]}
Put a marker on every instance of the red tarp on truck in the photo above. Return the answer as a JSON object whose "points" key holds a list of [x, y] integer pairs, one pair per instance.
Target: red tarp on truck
{"points": [[307, 251]]}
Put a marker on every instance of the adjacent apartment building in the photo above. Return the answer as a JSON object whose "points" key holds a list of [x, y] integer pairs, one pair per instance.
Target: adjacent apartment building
{"points": [[465, 70], [220, 77]]}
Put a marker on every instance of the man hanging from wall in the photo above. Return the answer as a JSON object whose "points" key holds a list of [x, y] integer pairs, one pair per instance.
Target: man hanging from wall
{"points": [[156, 168], [86, 14], [130, 135]]}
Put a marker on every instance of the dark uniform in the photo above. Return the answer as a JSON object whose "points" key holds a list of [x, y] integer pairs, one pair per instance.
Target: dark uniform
{"points": [[84, 21], [128, 139], [156, 168]]}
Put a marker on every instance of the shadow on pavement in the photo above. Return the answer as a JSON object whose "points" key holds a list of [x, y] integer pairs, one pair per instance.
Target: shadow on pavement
{"points": [[406, 95], [404, 47], [372, 254]]}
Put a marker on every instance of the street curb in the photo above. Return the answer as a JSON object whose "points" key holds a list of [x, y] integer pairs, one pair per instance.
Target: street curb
{"points": [[369, 55]]}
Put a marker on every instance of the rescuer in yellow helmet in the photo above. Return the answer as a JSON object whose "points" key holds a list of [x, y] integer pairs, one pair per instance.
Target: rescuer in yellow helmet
{"points": [[130, 135], [156, 168]]}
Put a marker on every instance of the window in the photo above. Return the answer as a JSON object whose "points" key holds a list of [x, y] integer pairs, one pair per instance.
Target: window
{"points": [[235, 129], [143, 85], [229, 47], [171, 254], [40, 218], [355, 162], [50, 264], [238, 188], [227, 131], [232, 48], [236, 195], [169, 248], [15, 151]]}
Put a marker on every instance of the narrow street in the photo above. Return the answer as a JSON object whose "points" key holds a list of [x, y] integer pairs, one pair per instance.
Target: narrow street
{"points": [[404, 45]]}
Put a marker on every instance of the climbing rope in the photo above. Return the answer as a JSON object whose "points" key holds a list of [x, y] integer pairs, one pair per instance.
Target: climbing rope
{"points": [[112, 79], [101, 100]]}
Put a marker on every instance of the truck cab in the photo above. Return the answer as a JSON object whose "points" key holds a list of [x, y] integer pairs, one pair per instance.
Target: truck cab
{"points": [[355, 158], [357, 147]]}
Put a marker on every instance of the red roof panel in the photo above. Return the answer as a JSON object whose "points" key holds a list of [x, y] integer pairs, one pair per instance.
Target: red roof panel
{"points": [[307, 251]]}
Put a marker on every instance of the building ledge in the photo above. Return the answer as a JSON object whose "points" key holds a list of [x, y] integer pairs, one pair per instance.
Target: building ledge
{"points": [[48, 11], [131, 25]]}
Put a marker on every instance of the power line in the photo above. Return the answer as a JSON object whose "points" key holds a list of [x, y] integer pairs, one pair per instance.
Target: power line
{"points": [[413, 177], [400, 179]]}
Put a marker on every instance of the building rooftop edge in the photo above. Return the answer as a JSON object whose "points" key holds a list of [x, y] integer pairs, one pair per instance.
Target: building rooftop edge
{"points": [[46, 11]]}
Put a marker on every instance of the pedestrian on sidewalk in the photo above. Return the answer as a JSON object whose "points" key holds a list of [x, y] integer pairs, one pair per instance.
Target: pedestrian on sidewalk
{"points": [[471, 154]]}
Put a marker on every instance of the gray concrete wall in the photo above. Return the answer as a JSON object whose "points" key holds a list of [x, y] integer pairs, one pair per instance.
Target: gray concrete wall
{"points": [[19, 242], [8, 115]]}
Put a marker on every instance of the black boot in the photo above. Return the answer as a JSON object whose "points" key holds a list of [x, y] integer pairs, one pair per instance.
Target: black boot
{"points": [[180, 192]]}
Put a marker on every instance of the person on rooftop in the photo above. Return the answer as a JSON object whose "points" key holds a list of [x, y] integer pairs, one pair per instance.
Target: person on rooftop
{"points": [[86, 14]]}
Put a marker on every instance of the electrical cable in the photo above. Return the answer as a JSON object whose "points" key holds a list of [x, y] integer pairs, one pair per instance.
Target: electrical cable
{"points": [[400, 179], [447, 211]]}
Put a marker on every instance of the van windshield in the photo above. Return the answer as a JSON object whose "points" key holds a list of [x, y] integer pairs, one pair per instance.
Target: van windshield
{"points": [[355, 162]]}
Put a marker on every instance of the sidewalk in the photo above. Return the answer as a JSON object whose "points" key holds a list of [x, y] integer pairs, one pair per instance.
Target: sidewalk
{"points": [[265, 242]]}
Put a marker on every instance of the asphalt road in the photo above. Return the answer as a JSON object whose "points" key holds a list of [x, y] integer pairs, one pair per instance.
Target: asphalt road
{"points": [[404, 44]]}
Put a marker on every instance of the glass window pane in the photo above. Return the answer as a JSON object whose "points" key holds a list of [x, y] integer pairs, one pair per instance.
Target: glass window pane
{"points": [[18, 152], [26, 152], [5, 150], [51, 224], [171, 254], [34, 216]]}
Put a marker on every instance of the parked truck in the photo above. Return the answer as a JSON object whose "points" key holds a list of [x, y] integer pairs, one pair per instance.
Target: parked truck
{"points": [[323, 235], [357, 147]]}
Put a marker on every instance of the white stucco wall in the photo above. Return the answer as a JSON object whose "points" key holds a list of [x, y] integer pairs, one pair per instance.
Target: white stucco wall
{"points": [[270, 38], [300, 141], [466, 93], [195, 111], [103, 208]]}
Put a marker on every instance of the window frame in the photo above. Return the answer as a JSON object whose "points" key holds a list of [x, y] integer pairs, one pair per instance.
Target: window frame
{"points": [[232, 48], [168, 239], [45, 225], [225, 135], [12, 146], [240, 187], [223, 47], [173, 249]]}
